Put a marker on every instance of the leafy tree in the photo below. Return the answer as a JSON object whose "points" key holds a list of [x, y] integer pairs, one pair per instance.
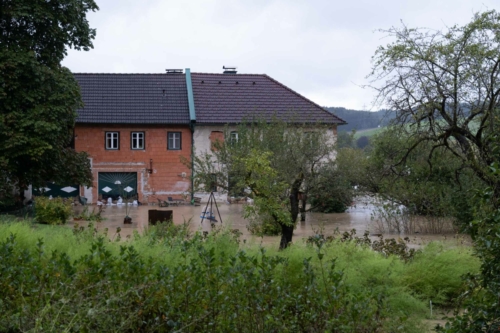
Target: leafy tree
{"points": [[346, 139], [444, 86], [445, 89], [435, 187], [481, 298], [359, 120], [362, 142], [276, 162], [39, 97]]}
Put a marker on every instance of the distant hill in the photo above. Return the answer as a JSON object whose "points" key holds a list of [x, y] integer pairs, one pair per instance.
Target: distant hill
{"points": [[361, 120]]}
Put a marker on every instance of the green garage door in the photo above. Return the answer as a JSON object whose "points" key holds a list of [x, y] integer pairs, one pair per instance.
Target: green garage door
{"points": [[114, 184], [54, 190]]}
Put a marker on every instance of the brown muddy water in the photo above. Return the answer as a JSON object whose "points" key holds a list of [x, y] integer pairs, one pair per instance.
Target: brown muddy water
{"points": [[360, 216]]}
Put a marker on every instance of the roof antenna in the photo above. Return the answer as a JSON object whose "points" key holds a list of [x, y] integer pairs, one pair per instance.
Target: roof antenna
{"points": [[229, 69]]}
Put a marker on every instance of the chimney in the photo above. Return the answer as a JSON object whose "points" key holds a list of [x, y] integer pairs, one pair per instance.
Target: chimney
{"points": [[174, 71], [229, 69]]}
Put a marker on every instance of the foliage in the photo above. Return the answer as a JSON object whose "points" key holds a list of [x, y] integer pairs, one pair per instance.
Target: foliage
{"points": [[328, 204], [263, 226], [481, 298], [38, 97], [172, 280], [444, 88], [47, 28], [346, 139], [359, 120], [52, 211], [168, 231], [429, 182], [267, 189], [362, 142], [435, 273], [209, 291], [7, 200], [274, 161], [387, 247]]}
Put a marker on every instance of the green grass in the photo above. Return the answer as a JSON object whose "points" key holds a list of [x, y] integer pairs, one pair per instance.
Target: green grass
{"points": [[368, 132], [220, 273]]}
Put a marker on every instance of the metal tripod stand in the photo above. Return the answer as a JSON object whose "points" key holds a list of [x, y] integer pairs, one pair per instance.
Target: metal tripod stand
{"points": [[208, 214]]}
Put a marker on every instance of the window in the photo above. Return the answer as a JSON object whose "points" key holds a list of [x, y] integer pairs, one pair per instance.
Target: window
{"points": [[233, 137], [112, 140], [137, 140], [216, 139], [174, 141]]}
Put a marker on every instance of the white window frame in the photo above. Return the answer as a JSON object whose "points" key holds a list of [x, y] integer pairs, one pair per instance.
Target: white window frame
{"points": [[137, 140], [110, 138], [233, 137], [174, 140]]}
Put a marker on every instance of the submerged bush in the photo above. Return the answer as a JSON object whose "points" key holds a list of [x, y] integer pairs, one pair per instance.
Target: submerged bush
{"points": [[52, 211], [264, 226], [328, 204]]}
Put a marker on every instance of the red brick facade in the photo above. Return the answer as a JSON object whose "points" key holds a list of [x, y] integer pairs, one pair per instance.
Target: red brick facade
{"points": [[170, 177]]}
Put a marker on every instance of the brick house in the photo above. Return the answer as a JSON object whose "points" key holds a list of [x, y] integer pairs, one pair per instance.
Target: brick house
{"points": [[135, 128]]}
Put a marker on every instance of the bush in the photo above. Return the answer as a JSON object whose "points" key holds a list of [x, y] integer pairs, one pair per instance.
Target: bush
{"points": [[264, 226], [436, 273], [52, 211], [170, 280], [208, 291], [328, 204]]}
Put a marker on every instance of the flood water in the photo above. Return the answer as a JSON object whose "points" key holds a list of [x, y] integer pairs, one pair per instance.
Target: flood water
{"points": [[359, 217]]}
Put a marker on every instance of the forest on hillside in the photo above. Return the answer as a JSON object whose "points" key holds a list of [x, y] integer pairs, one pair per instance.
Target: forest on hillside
{"points": [[360, 120]]}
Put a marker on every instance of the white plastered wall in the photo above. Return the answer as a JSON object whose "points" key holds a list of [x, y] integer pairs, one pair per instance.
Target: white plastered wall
{"points": [[202, 144]]}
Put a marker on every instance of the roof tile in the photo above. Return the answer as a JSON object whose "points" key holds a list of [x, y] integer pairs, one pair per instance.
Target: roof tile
{"points": [[133, 98], [230, 98]]}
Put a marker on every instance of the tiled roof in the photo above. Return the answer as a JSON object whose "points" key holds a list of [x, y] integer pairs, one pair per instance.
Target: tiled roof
{"points": [[133, 98], [231, 98]]}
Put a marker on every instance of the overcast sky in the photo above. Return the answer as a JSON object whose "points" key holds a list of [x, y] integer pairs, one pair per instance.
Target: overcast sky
{"points": [[319, 48]]}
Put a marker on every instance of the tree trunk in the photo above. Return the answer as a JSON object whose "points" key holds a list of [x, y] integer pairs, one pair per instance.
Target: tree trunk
{"points": [[286, 236], [303, 208], [287, 230]]}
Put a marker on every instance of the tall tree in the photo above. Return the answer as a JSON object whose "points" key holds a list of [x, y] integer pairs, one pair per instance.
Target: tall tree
{"points": [[444, 86], [275, 162], [39, 97]]}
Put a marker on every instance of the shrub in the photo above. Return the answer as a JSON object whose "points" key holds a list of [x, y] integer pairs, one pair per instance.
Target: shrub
{"points": [[170, 279], [264, 226], [209, 291], [436, 273], [52, 211], [328, 204]]}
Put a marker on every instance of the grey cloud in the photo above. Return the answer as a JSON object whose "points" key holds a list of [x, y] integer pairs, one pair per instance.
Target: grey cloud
{"points": [[321, 49]]}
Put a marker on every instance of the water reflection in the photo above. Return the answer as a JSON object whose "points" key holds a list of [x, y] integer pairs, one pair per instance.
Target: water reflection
{"points": [[358, 217]]}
